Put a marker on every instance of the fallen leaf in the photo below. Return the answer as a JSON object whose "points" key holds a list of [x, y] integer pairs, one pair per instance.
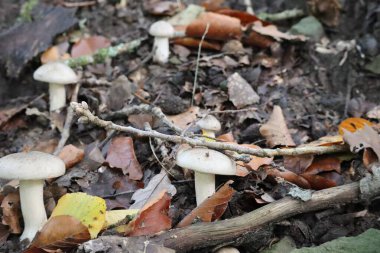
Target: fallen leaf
{"points": [[366, 137], [257, 40], [194, 43], [88, 46], [326, 141], [120, 93], [186, 16], [327, 11], [156, 185], [62, 232], [353, 124], [183, 120], [299, 163], [11, 210], [114, 217], [4, 233], [374, 113], [212, 5], [244, 17], [256, 161], [227, 137], [275, 130], [319, 182], [369, 157], [324, 164], [240, 92], [289, 176], [138, 120], [273, 32], [89, 210], [121, 154], [212, 208], [153, 218], [221, 27], [162, 7], [71, 155], [55, 53], [114, 187]]}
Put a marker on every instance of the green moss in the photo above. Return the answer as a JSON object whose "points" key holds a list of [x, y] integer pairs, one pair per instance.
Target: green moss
{"points": [[26, 10]]}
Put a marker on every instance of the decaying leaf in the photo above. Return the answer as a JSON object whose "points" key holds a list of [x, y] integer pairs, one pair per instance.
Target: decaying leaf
{"points": [[153, 218], [221, 27], [11, 210], [258, 40], [240, 93], [324, 164], [299, 163], [88, 46], [275, 131], [327, 11], [56, 53], [4, 233], [121, 154], [183, 120], [62, 232], [161, 7], [115, 217], [323, 181], [289, 176], [353, 124], [194, 43], [212, 208], [273, 32], [256, 161], [366, 137], [89, 210], [71, 155], [156, 185], [244, 17]]}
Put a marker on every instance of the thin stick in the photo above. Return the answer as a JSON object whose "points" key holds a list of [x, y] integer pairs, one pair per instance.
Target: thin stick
{"points": [[197, 64], [82, 110], [233, 111], [68, 122]]}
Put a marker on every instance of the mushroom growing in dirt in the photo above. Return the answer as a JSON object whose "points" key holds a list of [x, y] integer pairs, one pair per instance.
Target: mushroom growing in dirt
{"points": [[209, 125], [57, 74], [206, 163], [162, 31], [31, 169]]}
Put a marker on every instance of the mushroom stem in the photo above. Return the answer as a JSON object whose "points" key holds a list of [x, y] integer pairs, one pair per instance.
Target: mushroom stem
{"points": [[32, 207], [161, 46], [57, 96], [204, 186]]}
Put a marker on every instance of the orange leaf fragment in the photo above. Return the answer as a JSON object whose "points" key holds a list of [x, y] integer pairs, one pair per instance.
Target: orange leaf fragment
{"points": [[353, 124], [212, 208], [221, 27], [324, 180], [324, 164], [275, 131], [121, 154], [55, 53], [60, 232], [71, 155], [256, 161], [258, 40], [227, 137], [153, 218], [88, 46], [194, 43], [289, 176], [183, 120]]}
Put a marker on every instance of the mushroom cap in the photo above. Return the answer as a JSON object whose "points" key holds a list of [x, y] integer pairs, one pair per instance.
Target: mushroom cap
{"points": [[55, 72], [209, 123], [161, 29], [206, 161], [32, 165]]}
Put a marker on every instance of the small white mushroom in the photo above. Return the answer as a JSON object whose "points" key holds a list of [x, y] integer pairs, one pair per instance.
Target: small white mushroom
{"points": [[162, 31], [206, 163], [57, 74], [31, 169], [227, 250], [209, 125]]}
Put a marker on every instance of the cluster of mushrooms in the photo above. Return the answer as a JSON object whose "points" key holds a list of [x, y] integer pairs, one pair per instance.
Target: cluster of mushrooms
{"points": [[32, 168]]}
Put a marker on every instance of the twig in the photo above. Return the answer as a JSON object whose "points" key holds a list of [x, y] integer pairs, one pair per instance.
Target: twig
{"points": [[68, 122], [233, 111], [78, 4], [82, 110], [155, 111], [193, 236], [102, 54], [288, 14], [197, 64]]}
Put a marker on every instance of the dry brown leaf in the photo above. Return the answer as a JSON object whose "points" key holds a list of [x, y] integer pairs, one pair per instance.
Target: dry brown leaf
{"points": [[366, 137], [323, 181], [326, 141], [60, 232], [162, 8], [257, 40], [227, 137], [221, 27], [327, 11], [88, 46], [194, 43], [71, 155], [4, 233], [256, 161], [212, 208], [299, 163], [369, 157], [289, 176], [273, 32], [138, 120], [275, 130], [183, 120], [153, 218], [11, 210], [212, 5], [240, 92], [324, 164], [55, 53], [244, 17], [121, 154], [353, 124]]}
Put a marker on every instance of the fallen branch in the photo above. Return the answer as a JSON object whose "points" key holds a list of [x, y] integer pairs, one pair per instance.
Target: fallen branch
{"points": [[202, 235], [82, 110], [102, 54]]}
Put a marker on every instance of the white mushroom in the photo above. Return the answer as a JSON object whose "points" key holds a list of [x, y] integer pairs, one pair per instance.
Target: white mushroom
{"points": [[227, 250], [31, 169], [162, 31], [209, 125], [206, 163], [57, 74]]}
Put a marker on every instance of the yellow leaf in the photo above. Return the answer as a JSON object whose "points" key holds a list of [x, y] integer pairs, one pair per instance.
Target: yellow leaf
{"points": [[90, 210], [353, 124], [116, 216]]}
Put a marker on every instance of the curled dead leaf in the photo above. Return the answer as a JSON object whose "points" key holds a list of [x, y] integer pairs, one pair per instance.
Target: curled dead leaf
{"points": [[71, 155], [88, 46], [289, 176], [194, 43], [11, 210]]}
